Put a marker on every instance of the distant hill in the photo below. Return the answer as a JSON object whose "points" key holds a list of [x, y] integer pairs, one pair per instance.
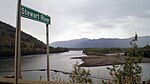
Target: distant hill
{"points": [[101, 43], [29, 44], [69, 44]]}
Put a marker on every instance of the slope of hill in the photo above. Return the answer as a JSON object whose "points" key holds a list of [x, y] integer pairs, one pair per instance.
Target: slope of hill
{"points": [[29, 44], [101, 43], [69, 44]]}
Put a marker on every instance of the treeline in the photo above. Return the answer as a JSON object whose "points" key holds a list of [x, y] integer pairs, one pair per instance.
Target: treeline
{"points": [[42, 50], [145, 51], [58, 50], [102, 51], [29, 44], [7, 52]]}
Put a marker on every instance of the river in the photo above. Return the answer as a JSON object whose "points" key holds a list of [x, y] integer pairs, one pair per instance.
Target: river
{"points": [[58, 61]]}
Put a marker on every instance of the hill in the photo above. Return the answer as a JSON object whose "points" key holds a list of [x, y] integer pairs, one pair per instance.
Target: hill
{"points": [[101, 43], [29, 44], [69, 44]]}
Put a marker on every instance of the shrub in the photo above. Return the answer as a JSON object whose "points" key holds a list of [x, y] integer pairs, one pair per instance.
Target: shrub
{"points": [[80, 75], [130, 71]]}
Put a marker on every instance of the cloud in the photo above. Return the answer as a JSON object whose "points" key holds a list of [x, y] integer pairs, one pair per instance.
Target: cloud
{"points": [[72, 19]]}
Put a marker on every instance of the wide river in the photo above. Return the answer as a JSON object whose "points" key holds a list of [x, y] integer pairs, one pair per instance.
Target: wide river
{"points": [[58, 61]]}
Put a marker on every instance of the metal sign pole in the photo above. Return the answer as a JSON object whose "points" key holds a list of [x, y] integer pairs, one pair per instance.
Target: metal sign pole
{"points": [[17, 44], [47, 37], [21, 11]]}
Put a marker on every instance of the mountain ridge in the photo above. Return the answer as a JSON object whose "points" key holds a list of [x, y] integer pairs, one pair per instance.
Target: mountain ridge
{"points": [[102, 42]]}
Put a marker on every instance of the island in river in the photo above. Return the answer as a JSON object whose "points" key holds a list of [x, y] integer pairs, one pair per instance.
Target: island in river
{"points": [[93, 61], [102, 57], [29, 44]]}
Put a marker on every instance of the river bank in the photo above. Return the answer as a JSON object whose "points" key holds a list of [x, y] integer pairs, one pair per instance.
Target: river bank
{"points": [[93, 61], [22, 81]]}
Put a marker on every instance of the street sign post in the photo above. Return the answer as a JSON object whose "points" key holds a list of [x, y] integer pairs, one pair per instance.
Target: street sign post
{"points": [[29, 13], [34, 15], [17, 68], [47, 38]]}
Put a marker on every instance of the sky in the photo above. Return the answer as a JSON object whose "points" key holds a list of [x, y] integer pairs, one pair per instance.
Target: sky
{"points": [[75, 19]]}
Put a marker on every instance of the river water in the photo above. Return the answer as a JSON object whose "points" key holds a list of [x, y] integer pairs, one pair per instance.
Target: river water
{"points": [[58, 61]]}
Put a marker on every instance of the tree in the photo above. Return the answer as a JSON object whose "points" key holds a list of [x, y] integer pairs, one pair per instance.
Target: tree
{"points": [[128, 72]]}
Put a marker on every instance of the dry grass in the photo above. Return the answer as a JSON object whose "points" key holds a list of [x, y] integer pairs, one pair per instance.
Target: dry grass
{"points": [[21, 81]]}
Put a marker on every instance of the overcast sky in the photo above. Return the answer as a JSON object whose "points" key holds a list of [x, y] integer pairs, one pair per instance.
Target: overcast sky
{"points": [[74, 19]]}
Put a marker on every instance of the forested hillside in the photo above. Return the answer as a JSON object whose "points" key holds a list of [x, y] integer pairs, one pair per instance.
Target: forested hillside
{"points": [[29, 44]]}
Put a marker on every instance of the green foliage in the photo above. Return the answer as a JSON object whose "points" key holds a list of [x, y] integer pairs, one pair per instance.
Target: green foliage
{"points": [[130, 71], [146, 51], [80, 75], [58, 49], [6, 51], [102, 51]]}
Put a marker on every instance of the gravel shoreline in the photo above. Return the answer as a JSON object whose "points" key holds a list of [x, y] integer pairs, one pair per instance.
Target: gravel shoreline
{"points": [[93, 61]]}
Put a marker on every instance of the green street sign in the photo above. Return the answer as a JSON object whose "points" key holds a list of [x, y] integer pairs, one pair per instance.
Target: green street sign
{"points": [[34, 15]]}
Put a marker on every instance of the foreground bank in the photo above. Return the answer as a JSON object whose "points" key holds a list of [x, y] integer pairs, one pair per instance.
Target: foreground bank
{"points": [[21, 81]]}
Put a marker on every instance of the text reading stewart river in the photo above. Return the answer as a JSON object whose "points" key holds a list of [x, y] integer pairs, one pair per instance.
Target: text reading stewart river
{"points": [[58, 61]]}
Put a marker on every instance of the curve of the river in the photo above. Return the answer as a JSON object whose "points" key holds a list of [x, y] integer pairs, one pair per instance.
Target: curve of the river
{"points": [[58, 61]]}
